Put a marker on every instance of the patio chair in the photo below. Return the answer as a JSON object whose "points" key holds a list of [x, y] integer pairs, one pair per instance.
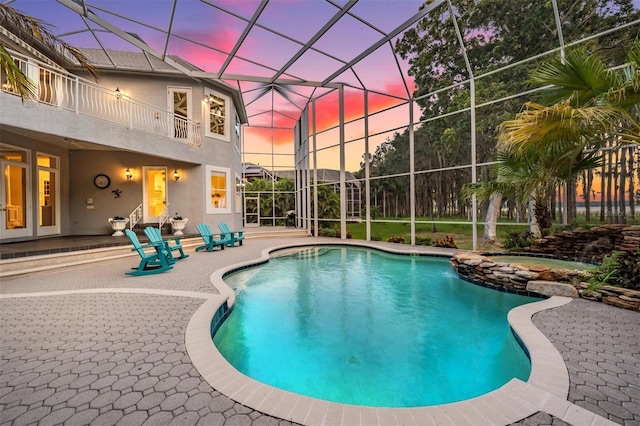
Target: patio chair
{"points": [[155, 236], [231, 236], [152, 262], [210, 242]]}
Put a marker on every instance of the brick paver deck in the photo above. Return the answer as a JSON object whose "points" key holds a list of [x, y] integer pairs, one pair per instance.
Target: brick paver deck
{"points": [[87, 345]]}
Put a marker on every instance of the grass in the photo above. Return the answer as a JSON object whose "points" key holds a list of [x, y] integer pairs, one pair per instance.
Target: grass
{"points": [[461, 233]]}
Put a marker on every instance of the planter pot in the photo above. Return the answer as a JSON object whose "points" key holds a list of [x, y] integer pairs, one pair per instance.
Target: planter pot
{"points": [[118, 225], [178, 225]]}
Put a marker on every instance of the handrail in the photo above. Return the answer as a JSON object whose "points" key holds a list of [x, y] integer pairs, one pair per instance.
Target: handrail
{"points": [[164, 216], [76, 94], [135, 216]]}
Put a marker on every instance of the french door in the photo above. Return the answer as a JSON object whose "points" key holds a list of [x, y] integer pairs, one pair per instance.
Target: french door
{"points": [[154, 192], [15, 193], [48, 194], [179, 103]]}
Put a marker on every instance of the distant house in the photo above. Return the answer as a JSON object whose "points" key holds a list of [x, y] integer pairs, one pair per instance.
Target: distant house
{"points": [[144, 142]]}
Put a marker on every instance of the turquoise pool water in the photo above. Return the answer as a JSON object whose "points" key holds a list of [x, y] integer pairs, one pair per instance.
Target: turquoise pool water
{"points": [[363, 327]]}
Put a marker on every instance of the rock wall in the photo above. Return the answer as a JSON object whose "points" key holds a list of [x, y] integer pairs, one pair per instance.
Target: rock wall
{"points": [[588, 245], [483, 270]]}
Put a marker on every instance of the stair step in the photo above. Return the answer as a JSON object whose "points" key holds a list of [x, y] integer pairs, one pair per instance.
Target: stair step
{"points": [[29, 264]]}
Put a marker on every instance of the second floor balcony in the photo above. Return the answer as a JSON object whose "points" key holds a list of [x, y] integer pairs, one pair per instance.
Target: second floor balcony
{"points": [[61, 89]]}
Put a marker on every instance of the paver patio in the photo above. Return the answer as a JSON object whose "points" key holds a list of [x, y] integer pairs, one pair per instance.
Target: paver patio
{"points": [[87, 345]]}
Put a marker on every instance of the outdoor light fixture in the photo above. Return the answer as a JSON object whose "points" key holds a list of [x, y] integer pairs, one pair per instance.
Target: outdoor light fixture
{"points": [[128, 174], [208, 99], [118, 94], [176, 175]]}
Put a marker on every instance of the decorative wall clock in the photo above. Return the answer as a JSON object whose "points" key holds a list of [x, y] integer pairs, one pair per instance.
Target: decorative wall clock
{"points": [[102, 181]]}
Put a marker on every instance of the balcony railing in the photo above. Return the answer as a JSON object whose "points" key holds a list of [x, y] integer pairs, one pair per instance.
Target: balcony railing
{"points": [[73, 93]]}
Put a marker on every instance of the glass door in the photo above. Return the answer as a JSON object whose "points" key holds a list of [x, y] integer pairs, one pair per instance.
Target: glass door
{"points": [[179, 100], [14, 193], [48, 195], [154, 195], [251, 211]]}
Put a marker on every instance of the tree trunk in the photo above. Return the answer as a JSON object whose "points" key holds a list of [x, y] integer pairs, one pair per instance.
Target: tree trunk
{"points": [[614, 193], [534, 228], [384, 203], [623, 185], [554, 196], [572, 209], [493, 214], [603, 172], [609, 214], [632, 187], [587, 195]]}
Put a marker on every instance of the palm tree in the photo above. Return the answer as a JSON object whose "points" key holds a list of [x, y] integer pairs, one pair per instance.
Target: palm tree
{"points": [[586, 101], [531, 176], [38, 34]]}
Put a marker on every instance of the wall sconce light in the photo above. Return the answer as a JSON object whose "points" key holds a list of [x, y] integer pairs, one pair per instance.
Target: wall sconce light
{"points": [[118, 93], [208, 99], [128, 174], [176, 175]]}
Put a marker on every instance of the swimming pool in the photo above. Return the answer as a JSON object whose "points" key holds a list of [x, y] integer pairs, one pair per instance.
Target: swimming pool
{"points": [[363, 327]]}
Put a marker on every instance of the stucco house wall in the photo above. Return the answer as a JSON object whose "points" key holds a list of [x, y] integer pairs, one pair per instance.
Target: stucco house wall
{"points": [[88, 146]]}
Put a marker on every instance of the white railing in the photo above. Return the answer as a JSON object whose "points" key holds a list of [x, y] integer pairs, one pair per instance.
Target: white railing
{"points": [[164, 217], [135, 216], [73, 93]]}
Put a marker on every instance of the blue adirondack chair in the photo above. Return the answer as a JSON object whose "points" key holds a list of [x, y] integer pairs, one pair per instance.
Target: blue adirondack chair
{"points": [[232, 237], [210, 242], [151, 262], [155, 236]]}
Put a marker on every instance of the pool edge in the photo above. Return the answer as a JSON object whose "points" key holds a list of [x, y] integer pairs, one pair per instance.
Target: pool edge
{"points": [[548, 381]]}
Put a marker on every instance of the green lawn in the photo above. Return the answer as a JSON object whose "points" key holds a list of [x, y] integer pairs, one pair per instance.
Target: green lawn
{"points": [[461, 233]]}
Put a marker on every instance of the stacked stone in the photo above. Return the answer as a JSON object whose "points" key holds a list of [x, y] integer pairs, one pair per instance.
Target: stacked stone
{"points": [[480, 269], [615, 296], [590, 245]]}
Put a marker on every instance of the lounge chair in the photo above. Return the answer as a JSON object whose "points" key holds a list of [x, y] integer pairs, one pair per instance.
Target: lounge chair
{"points": [[210, 242], [232, 237], [152, 262], [155, 236]]}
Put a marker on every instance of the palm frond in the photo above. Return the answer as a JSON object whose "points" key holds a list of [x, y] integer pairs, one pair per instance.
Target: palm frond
{"points": [[580, 78], [36, 31], [18, 81], [538, 126]]}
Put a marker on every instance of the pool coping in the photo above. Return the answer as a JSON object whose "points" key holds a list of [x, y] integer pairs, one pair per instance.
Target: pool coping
{"points": [[545, 390]]}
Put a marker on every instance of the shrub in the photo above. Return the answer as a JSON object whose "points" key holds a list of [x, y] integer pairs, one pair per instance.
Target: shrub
{"points": [[446, 242], [327, 232], [376, 238], [339, 234], [395, 239], [620, 269], [423, 241], [517, 240]]}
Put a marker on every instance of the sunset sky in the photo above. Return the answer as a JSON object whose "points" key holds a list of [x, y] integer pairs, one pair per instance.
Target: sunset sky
{"points": [[269, 60]]}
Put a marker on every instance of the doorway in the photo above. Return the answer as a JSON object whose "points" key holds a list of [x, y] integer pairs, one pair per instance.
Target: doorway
{"points": [[15, 193], [48, 194], [251, 212], [154, 192], [179, 103]]}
